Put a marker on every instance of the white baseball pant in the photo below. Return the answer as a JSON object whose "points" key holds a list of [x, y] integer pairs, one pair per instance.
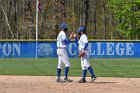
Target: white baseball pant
{"points": [[85, 61], [63, 59]]}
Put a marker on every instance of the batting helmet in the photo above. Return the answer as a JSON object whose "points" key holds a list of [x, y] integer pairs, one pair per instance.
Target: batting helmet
{"points": [[63, 25], [82, 29]]}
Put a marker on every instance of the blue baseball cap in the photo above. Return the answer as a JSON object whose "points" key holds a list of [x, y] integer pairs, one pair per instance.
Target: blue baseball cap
{"points": [[63, 25], [82, 29]]}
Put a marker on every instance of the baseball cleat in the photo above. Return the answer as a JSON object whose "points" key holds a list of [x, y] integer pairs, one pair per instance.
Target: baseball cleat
{"points": [[93, 79], [59, 80], [68, 80], [82, 80]]}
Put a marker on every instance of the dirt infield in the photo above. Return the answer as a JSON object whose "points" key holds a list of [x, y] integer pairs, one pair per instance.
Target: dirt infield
{"points": [[47, 84]]}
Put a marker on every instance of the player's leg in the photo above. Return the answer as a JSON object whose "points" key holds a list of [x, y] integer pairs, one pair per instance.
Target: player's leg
{"points": [[67, 64], [86, 65], [93, 77], [83, 79], [58, 71], [66, 71], [84, 72], [89, 67], [66, 61]]}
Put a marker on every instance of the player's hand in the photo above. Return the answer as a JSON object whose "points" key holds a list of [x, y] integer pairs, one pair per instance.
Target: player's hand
{"points": [[71, 35], [74, 35], [82, 53]]}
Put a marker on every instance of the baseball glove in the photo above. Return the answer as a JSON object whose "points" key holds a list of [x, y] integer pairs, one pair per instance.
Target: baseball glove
{"points": [[81, 54]]}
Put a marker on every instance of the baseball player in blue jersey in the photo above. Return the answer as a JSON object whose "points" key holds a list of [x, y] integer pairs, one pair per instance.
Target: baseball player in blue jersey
{"points": [[84, 54], [63, 59]]}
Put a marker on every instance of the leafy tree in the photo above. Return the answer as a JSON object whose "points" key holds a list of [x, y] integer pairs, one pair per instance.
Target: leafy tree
{"points": [[127, 16]]}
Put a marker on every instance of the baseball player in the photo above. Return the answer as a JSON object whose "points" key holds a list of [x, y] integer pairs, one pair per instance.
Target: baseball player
{"points": [[84, 54], [63, 59]]}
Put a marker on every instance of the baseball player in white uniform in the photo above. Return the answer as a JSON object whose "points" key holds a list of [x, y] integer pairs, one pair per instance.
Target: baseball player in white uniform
{"points": [[63, 60], [84, 54]]}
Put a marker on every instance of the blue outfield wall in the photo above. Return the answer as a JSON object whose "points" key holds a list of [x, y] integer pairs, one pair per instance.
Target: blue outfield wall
{"points": [[47, 49]]}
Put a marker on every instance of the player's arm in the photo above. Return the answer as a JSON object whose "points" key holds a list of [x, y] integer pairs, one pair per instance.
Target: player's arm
{"points": [[76, 39], [85, 46], [85, 43], [82, 53], [66, 41]]}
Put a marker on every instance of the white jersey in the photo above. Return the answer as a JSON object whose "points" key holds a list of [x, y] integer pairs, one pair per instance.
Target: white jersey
{"points": [[63, 59], [60, 39], [85, 59], [83, 39]]}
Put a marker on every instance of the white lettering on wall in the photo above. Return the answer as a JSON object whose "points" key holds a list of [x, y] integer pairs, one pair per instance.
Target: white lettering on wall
{"points": [[100, 51], [110, 49], [120, 49], [10, 49], [129, 48], [16, 49], [6, 49], [92, 51]]}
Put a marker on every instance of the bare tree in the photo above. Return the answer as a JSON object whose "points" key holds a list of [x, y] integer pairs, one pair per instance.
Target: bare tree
{"points": [[104, 20], [63, 3], [73, 8], [17, 18], [94, 19], [6, 19]]}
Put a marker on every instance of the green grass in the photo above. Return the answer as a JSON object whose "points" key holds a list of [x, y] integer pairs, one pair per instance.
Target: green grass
{"points": [[47, 67]]}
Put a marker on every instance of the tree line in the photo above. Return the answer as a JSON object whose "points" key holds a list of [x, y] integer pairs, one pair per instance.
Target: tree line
{"points": [[105, 19]]}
